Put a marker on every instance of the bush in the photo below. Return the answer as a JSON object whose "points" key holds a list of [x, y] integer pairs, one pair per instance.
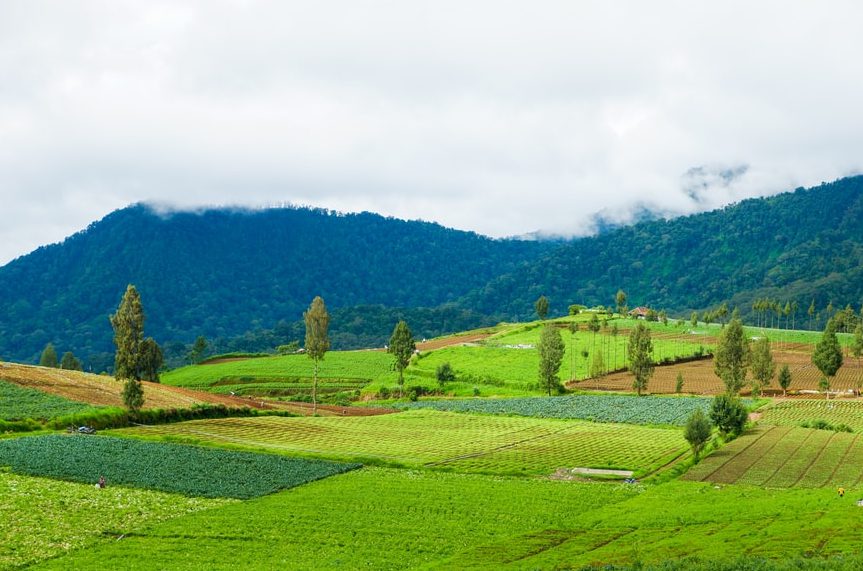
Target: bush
{"points": [[384, 393], [444, 374], [729, 415]]}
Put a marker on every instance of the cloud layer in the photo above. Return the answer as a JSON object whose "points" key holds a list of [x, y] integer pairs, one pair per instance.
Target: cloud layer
{"points": [[498, 117]]}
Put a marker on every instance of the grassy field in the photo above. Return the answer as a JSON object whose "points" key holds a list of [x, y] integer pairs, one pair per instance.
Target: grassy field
{"points": [[460, 442], [397, 519], [18, 403], [599, 408], [786, 457], [41, 518], [189, 470], [372, 518]]}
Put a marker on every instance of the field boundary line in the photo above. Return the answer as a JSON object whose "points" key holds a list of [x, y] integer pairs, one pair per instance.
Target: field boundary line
{"points": [[844, 456], [799, 446], [745, 448], [814, 460], [496, 449]]}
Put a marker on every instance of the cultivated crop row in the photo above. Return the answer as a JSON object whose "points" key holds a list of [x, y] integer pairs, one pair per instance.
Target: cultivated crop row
{"points": [[797, 411], [189, 470], [599, 408], [18, 403]]}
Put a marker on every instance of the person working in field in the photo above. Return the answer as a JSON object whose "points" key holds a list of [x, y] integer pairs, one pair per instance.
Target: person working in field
{"points": [[101, 483]]}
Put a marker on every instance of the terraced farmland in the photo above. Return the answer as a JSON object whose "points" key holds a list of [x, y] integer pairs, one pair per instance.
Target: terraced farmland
{"points": [[786, 457], [796, 411], [599, 408], [18, 403], [462, 442]]}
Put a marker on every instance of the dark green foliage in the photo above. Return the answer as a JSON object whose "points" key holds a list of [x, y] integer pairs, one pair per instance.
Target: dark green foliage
{"points": [[444, 374], [640, 357], [732, 357], [728, 415], [70, 362], [678, 384], [551, 349], [19, 403], [48, 357], [128, 325], [189, 470], [199, 348], [151, 360], [401, 347], [541, 307], [828, 354], [133, 394], [762, 365], [784, 379], [697, 431]]}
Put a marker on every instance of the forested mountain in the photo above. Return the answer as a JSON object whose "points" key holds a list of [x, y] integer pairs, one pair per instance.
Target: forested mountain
{"points": [[800, 246], [221, 273]]}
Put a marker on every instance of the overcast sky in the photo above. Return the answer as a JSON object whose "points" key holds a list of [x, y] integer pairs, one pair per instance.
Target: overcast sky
{"points": [[493, 116]]}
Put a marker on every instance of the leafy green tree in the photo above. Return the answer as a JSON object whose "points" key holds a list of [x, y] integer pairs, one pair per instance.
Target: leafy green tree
{"points": [[732, 356], [828, 354], [811, 312], [597, 365], [857, 351], [317, 341], [70, 362], [444, 374], [541, 307], [728, 414], [573, 329], [593, 326], [693, 319], [785, 379], [678, 385], [640, 357], [762, 365], [620, 299], [128, 324], [199, 348], [48, 357], [697, 431], [152, 360], [402, 347], [551, 351]]}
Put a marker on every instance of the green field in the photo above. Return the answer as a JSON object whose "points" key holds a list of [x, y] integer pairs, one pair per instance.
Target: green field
{"points": [[460, 442], [797, 411], [397, 519], [188, 470], [786, 457], [372, 518], [598, 408], [19, 403], [41, 518]]}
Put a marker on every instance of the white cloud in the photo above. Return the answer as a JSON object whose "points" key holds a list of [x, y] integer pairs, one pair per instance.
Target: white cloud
{"points": [[498, 117]]}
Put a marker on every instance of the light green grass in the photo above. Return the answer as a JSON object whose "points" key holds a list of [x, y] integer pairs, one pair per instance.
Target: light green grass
{"points": [[373, 518], [18, 403], [460, 442], [797, 411], [41, 518]]}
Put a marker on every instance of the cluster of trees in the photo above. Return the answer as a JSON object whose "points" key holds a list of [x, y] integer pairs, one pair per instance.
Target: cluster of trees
{"points": [[69, 361]]}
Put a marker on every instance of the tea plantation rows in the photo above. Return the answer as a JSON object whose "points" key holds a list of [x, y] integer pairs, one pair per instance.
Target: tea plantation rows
{"points": [[599, 408], [189, 470]]}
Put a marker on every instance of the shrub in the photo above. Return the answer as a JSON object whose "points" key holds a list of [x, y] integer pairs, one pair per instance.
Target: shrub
{"points": [[728, 415]]}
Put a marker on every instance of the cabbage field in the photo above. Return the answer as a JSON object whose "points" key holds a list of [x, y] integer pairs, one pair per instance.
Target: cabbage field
{"points": [[599, 408], [188, 470]]}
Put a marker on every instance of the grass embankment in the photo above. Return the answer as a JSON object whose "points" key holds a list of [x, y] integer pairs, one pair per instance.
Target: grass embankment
{"points": [[458, 442]]}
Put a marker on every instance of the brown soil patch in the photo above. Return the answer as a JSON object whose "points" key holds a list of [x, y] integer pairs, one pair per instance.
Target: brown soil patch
{"points": [[698, 377], [449, 341]]}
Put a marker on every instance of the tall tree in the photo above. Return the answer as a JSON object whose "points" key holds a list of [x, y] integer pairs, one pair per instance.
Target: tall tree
{"points": [[402, 347], [541, 307], [857, 351], [317, 344], [828, 354], [620, 300], [70, 362], [199, 347], [152, 360], [728, 415], [732, 356], [811, 312], [551, 351], [784, 379], [594, 326], [573, 329], [128, 324], [697, 431], [640, 357], [762, 365], [48, 358]]}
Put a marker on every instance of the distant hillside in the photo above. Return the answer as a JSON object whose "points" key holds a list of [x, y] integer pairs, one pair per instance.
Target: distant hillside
{"points": [[221, 273], [796, 246]]}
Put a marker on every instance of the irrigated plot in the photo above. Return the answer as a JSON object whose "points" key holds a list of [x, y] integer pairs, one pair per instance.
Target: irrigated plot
{"points": [[785, 457], [464, 442]]}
